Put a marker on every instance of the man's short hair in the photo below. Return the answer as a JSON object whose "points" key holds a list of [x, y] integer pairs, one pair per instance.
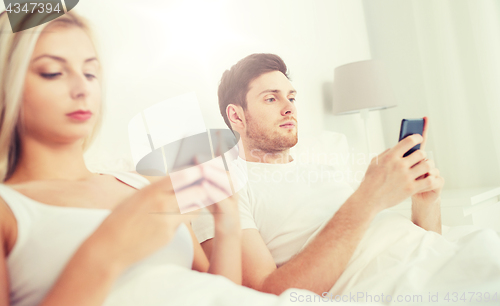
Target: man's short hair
{"points": [[234, 83]]}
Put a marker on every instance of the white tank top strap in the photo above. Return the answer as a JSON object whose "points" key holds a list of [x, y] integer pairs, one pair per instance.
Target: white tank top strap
{"points": [[130, 178]]}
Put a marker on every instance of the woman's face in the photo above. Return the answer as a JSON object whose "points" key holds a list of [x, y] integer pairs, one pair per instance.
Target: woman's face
{"points": [[62, 77]]}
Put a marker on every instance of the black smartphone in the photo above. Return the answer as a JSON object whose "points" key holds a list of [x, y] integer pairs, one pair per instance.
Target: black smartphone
{"points": [[410, 127]]}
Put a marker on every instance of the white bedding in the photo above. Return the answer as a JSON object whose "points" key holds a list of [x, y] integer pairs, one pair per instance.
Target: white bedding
{"points": [[176, 286], [395, 257]]}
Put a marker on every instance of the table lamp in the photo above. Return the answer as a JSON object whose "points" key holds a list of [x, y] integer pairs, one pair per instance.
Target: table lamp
{"points": [[362, 87]]}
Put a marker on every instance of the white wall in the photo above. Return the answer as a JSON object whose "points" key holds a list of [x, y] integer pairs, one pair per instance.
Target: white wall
{"points": [[442, 60], [153, 50]]}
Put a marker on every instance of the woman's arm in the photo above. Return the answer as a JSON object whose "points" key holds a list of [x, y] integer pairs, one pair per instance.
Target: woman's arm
{"points": [[4, 279], [87, 272], [4, 276], [119, 242]]}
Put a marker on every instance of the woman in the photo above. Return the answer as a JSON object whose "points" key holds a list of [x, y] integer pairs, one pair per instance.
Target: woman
{"points": [[69, 235]]}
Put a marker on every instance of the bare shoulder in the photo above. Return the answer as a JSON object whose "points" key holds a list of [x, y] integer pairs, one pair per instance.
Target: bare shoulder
{"points": [[6, 245], [151, 179], [4, 212], [7, 226]]}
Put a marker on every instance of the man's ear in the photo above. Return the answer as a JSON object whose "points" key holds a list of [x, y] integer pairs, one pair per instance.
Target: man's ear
{"points": [[236, 116]]}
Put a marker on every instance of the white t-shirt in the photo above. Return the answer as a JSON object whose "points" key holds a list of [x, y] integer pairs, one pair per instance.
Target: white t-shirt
{"points": [[286, 203]]}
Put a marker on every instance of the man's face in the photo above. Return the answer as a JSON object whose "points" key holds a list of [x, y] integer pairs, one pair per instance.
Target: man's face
{"points": [[271, 116]]}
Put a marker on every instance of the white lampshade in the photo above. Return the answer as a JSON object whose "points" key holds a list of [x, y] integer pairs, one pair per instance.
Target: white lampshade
{"points": [[361, 85]]}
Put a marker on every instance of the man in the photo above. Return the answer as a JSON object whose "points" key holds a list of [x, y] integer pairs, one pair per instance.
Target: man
{"points": [[299, 233]]}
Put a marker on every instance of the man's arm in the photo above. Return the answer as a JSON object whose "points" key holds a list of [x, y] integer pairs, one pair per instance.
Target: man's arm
{"points": [[388, 181], [427, 215], [426, 205], [320, 263]]}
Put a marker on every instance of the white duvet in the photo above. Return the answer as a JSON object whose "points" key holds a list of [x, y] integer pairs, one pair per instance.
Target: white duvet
{"points": [[395, 258], [171, 285], [402, 260]]}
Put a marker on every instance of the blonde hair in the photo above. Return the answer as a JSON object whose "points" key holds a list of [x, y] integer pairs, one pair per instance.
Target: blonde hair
{"points": [[15, 54]]}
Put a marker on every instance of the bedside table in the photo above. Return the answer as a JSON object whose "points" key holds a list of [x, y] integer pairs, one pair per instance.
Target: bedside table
{"points": [[470, 206]]}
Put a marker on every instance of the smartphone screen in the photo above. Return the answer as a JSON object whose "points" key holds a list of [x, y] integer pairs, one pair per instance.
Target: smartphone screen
{"points": [[410, 127]]}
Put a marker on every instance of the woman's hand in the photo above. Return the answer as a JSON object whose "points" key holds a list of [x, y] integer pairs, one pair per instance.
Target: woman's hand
{"points": [[225, 207], [146, 221]]}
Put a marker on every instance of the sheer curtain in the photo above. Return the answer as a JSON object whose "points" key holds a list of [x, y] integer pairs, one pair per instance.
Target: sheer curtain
{"points": [[445, 61]]}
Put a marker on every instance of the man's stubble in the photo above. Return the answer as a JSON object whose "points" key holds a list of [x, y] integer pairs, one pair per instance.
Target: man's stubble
{"points": [[269, 142]]}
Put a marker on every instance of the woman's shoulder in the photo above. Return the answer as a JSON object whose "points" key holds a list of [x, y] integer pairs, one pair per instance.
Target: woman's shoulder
{"points": [[4, 211], [7, 226]]}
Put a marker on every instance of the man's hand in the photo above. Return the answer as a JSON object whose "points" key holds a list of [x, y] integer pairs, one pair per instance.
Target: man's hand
{"points": [[433, 193], [392, 178], [225, 253], [426, 208]]}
